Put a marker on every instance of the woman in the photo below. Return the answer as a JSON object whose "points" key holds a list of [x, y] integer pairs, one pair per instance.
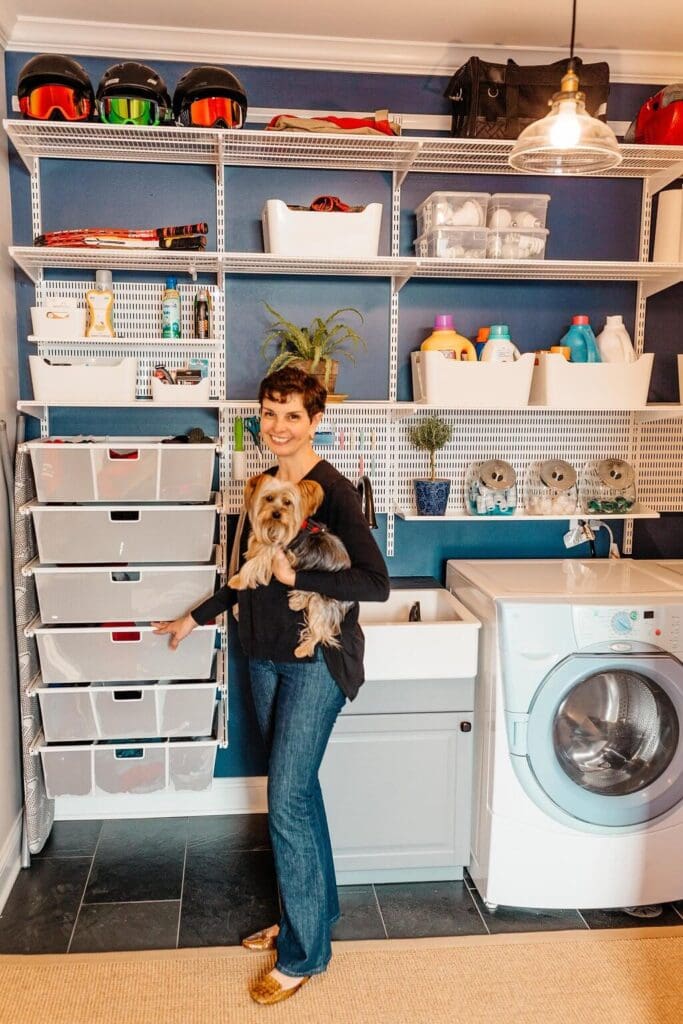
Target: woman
{"points": [[297, 700]]}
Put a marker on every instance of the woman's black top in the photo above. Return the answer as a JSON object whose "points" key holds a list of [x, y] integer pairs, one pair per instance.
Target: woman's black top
{"points": [[268, 629]]}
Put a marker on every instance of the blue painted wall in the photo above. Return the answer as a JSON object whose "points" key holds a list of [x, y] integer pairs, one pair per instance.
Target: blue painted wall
{"points": [[596, 219]]}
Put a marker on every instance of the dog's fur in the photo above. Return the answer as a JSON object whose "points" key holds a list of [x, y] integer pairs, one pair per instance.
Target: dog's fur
{"points": [[276, 512]]}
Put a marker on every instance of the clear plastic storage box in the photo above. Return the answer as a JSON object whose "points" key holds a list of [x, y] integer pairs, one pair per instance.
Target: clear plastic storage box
{"points": [[453, 244], [143, 592], [516, 244], [517, 210], [122, 469], [452, 209], [551, 488], [98, 534]]}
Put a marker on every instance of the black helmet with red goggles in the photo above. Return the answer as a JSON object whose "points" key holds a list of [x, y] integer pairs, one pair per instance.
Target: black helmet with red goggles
{"points": [[210, 97], [53, 87]]}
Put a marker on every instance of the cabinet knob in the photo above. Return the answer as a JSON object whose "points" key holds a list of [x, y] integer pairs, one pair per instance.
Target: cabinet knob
{"points": [[465, 727]]}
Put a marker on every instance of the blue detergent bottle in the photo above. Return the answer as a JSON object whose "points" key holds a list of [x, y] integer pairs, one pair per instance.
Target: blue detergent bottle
{"points": [[581, 340]]}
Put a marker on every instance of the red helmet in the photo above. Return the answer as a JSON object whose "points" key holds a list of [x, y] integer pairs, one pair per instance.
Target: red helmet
{"points": [[660, 119]]}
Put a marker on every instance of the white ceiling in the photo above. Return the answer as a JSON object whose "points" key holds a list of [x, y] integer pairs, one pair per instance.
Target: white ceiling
{"points": [[640, 40]]}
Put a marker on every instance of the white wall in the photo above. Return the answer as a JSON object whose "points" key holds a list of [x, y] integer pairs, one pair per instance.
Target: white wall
{"points": [[10, 780]]}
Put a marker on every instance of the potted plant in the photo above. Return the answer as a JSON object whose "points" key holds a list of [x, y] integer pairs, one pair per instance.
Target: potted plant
{"points": [[431, 496], [316, 348]]}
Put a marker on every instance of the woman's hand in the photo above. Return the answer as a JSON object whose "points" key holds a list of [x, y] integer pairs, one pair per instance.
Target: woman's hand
{"points": [[178, 629], [282, 570]]}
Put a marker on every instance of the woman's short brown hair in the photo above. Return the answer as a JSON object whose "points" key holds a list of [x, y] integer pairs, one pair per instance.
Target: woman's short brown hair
{"points": [[279, 386]]}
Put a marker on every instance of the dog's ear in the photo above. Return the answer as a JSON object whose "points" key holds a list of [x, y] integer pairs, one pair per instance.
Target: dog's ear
{"points": [[312, 496], [251, 487]]}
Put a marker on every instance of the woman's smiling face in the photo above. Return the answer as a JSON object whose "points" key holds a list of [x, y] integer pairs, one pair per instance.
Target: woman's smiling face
{"points": [[286, 426]]}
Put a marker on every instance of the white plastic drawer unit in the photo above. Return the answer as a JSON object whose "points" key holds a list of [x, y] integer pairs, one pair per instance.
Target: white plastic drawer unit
{"points": [[120, 653], [94, 711], [143, 592], [98, 534], [122, 469], [145, 767]]}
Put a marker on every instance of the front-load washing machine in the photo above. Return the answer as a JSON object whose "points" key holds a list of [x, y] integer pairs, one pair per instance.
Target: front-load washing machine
{"points": [[578, 791]]}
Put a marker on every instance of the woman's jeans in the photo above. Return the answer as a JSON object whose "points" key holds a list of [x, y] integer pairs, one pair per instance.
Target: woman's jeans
{"points": [[297, 704]]}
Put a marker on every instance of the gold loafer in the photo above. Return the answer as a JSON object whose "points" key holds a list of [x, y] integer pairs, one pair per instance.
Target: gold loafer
{"points": [[269, 990], [260, 941]]}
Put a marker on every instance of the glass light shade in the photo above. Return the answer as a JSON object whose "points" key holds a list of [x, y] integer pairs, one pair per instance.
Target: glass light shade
{"points": [[566, 141]]}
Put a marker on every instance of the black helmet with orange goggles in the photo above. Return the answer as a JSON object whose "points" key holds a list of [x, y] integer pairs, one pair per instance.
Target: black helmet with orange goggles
{"points": [[53, 87], [210, 97]]}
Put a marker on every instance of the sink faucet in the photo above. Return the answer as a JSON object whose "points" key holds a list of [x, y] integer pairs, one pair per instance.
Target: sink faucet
{"points": [[364, 488]]}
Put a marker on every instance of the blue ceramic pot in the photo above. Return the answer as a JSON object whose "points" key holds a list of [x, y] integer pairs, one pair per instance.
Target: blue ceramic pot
{"points": [[431, 496]]}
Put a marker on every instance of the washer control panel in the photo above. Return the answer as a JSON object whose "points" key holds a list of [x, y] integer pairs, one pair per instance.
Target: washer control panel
{"points": [[658, 624]]}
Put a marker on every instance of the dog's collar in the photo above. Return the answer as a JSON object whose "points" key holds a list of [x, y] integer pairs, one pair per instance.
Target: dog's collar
{"points": [[312, 526]]}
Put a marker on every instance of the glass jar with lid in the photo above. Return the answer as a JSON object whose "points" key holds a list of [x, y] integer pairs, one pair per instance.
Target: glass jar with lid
{"points": [[551, 488], [608, 486], [491, 488]]}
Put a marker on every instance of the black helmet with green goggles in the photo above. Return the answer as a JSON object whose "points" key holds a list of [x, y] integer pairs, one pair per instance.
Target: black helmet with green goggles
{"points": [[133, 93]]}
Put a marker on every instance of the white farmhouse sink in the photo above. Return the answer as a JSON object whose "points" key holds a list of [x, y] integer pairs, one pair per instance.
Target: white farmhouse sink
{"points": [[442, 645]]}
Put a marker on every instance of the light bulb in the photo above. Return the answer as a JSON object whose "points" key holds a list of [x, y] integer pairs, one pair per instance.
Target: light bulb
{"points": [[565, 129]]}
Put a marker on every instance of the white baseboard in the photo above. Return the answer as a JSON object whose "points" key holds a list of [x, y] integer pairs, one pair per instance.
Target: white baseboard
{"points": [[246, 795], [10, 860]]}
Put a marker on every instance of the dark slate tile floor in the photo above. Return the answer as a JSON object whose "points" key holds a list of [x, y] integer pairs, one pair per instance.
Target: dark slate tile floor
{"points": [[209, 881]]}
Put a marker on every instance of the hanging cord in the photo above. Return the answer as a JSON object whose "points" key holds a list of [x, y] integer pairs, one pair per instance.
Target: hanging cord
{"points": [[570, 65]]}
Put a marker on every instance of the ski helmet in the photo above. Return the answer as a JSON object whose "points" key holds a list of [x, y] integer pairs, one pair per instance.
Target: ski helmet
{"points": [[53, 87], [143, 88], [208, 83]]}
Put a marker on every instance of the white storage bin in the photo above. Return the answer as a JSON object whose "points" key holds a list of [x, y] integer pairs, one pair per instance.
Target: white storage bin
{"points": [[57, 321], [181, 394], [453, 244], [122, 469], [460, 384], [517, 244], [91, 379], [565, 385], [96, 712], [121, 533], [120, 653], [452, 209], [106, 768], [143, 592], [517, 210], [311, 233]]}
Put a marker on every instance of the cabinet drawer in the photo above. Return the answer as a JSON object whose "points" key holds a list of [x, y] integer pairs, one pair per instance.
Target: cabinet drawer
{"points": [[142, 593], [122, 469], [102, 769], [120, 653], [97, 534], [96, 712]]}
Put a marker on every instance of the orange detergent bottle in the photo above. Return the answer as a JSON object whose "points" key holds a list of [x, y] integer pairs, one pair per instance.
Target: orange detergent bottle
{"points": [[445, 338]]}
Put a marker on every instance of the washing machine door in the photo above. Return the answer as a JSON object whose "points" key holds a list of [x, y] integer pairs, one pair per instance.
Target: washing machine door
{"points": [[604, 737]]}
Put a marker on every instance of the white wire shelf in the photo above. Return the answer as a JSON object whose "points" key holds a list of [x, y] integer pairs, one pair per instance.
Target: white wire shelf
{"points": [[641, 512], [31, 407], [293, 149], [33, 259], [117, 342]]}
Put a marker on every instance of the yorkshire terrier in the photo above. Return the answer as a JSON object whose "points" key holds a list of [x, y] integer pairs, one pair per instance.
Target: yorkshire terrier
{"points": [[280, 516]]}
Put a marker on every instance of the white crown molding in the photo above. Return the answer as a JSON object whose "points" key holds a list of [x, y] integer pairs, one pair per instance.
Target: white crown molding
{"points": [[379, 56], [242, 795]]}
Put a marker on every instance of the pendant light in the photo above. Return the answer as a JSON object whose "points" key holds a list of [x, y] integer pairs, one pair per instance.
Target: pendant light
{"points": [[567, 140]]}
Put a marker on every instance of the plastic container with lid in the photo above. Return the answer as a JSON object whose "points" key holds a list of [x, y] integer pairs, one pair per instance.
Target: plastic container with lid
{"points": [[517, 210], [608, 486], [516, 243], [491, 488], [445, 338], [551, 488], [452, 209], [447, 243]]}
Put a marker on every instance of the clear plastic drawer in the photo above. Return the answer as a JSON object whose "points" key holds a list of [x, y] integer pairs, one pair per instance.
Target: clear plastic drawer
{"points": [[122, 469], [94, 711], [145, 767], [143, 593], [97, 534], [120, 653]]}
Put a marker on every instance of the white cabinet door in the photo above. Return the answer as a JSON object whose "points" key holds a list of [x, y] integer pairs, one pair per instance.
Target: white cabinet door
{"points": [[397, 790]]}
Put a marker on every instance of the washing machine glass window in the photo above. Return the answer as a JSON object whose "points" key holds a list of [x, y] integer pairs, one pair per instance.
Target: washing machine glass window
{"points": [[615, 733]]}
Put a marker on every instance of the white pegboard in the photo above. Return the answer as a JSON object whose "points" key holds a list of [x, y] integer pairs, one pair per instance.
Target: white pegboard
{"points": [[137, 319], [660, 457]]}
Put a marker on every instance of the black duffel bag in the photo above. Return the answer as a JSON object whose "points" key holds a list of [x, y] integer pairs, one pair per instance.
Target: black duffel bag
{"points": [[498, 101]]}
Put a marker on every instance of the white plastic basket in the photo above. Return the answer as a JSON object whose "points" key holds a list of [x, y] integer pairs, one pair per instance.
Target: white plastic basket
{"points": [[98, 534], [565, 385], [122, 469], [58, 321], [461, 384], [144, 767], [84, 380], [144, 593], [120, 653], [181, 394], [312, 233]]}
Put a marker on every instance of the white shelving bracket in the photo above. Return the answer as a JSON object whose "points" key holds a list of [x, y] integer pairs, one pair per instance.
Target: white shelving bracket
{"points": [[660, 284], [656, 182], [403, 171]]}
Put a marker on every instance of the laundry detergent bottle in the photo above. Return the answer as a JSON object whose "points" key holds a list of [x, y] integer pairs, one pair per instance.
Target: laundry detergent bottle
{"points": [[581, 341], [614, 343], [499, 348], [444, 338]]}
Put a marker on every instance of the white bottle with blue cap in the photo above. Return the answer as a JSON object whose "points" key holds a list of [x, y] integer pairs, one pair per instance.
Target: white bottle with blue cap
{"points": [[499, 348]]}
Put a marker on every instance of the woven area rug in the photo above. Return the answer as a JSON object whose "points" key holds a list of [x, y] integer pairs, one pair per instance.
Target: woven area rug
{"points": [[630, 976]]}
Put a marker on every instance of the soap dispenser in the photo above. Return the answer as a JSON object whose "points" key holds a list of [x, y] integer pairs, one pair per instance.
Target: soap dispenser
{"points": [[99, 302]]}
